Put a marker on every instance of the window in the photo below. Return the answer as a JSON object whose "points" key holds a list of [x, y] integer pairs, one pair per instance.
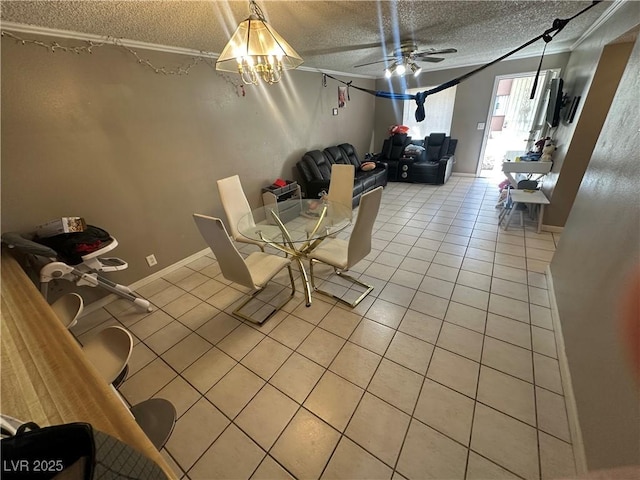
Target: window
{"points": [[438, 113]]}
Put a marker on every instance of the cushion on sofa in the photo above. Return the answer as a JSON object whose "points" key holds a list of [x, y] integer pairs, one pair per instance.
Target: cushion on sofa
{"points": [[316, 165], [337, 155], [350, 154]]}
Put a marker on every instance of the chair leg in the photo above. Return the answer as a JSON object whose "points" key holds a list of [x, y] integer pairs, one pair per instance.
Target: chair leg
{"points": [[243, 316], [368, 288], [121, 378]]}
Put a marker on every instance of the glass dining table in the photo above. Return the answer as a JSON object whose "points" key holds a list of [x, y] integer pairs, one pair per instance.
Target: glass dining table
{"points": [[296, 227]]}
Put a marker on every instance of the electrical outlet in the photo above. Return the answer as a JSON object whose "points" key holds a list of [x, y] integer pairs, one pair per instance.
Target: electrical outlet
{"points": [[151, 260]]}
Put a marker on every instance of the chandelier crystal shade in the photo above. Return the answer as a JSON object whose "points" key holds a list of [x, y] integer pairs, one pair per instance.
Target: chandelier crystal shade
{"points": [[256, 51]]}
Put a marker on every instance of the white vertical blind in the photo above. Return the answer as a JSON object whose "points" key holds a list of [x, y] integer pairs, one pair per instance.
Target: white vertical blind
{"points": [[438, 113]]}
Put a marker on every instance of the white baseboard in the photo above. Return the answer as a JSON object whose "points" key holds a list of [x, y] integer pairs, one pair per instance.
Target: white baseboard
{"points": [[552, 228], [457, 174], [169, 269], [579, 455], [93, 306]]}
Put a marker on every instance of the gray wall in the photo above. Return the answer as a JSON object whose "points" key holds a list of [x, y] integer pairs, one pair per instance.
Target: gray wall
{"points": [[473, 100], [136, 152], [593, 72], [599, 247]]}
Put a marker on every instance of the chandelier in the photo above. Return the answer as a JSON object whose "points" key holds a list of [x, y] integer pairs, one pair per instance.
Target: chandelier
{"points": [[257, 51], [400, 67]]}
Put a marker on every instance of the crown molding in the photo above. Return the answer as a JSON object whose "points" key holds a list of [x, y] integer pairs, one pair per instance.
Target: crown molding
{"points": [[72, 35], [599, 22], [87, 37], [54, 32]]}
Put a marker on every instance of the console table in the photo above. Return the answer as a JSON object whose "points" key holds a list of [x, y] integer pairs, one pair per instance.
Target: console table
{"points": [[532, 168]]}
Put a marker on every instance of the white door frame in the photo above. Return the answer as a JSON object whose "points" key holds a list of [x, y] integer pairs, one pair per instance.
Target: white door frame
{"points": [[487, 125]]}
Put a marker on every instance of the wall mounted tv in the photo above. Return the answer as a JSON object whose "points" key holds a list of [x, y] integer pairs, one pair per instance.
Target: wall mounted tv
{"points": [[555, 102]]}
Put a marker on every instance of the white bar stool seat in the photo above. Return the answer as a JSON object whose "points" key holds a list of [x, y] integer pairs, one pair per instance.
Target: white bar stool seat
{"points": [[109, 351]]}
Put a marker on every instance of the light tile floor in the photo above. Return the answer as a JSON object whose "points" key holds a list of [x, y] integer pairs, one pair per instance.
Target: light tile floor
{"points": [[447, 370]]}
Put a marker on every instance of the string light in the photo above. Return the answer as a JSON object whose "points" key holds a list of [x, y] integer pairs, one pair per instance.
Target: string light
{"points": [[90, 45]]}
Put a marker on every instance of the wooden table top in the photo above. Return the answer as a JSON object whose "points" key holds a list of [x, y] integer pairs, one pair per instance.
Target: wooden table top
{"points": [[44, 375]]}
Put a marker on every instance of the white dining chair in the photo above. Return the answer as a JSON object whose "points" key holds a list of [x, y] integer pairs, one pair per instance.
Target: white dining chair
{"points": [[341, 184], [236, 206], [68, 308], [340, 189], [254, 272], [344, 254]]}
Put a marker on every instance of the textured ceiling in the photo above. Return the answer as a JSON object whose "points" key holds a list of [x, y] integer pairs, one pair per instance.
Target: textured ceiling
{"points": [[334, 35]]}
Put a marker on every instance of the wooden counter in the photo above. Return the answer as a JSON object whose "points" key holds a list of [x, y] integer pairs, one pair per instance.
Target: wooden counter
{"points": [[44, 376]]}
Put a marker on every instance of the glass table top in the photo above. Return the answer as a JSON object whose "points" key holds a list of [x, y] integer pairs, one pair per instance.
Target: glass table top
{"points": [[303, 219]]}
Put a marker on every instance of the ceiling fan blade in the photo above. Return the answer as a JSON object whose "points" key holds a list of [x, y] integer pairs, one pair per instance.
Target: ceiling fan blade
{"points": [[430, 59], [435, 52], [371, 63], [350, 48]]}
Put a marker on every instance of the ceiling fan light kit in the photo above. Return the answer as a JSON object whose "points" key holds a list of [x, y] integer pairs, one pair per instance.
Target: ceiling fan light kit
{"points": [[400, 67], [256, 51], [406, 57]]}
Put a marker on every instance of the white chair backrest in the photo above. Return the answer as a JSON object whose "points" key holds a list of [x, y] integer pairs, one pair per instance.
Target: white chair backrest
{"points": [[360, 240], [68, 308], [234, 202], [231, 263], [341, 184]]}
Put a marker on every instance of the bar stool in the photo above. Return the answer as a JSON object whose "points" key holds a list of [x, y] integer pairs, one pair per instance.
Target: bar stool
{"points": [[109, 351], [68, 308], [156, 418]]}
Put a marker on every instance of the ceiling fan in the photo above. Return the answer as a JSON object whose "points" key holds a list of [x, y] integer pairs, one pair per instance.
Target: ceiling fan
{"points": [[406, 57]]}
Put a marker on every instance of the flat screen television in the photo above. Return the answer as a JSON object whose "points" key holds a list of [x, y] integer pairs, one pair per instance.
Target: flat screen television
{"points": [[555, 102]]}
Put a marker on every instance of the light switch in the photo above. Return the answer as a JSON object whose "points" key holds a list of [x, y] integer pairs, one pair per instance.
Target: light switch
{"points": [[481, 126]]}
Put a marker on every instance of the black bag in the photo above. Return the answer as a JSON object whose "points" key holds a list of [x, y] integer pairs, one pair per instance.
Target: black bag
{"points": [[70, 247], [73, 451]]}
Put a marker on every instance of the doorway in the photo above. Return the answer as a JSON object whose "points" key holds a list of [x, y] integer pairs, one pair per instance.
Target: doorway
{"points": [[515, 122]]}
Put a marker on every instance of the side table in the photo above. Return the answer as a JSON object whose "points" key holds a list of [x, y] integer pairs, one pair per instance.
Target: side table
{"points": [[532, 197], [274, 195]]}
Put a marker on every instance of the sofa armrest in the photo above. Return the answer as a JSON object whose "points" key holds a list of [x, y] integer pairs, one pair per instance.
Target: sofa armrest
{"points": [[446, 167], [382, 165]]}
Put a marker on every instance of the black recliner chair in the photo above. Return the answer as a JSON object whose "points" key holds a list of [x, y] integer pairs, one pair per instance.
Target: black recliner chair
{"points": [[436, 168], [392, 150]]}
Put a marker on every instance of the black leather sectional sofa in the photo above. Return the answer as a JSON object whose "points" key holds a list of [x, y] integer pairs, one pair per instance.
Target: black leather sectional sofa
{"points": [[314, 169]]}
